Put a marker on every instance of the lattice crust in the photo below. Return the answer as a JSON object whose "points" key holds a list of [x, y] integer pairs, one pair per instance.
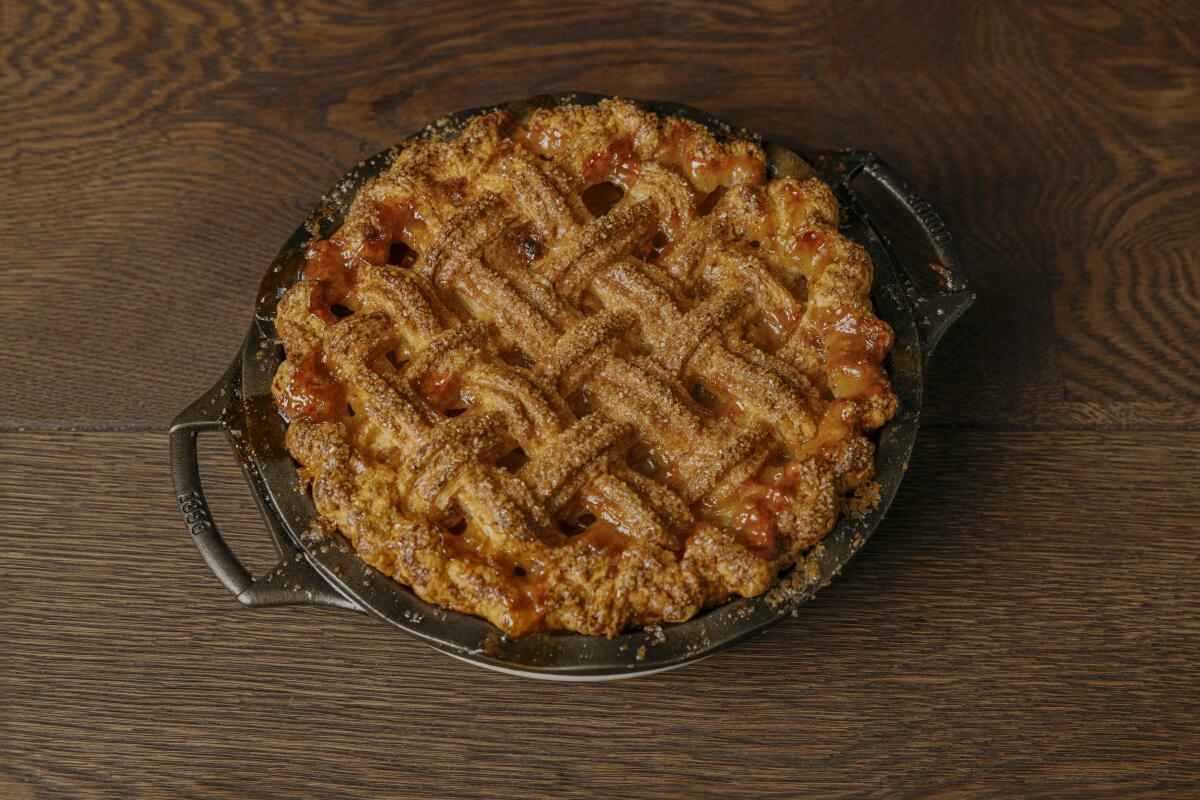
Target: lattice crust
{"points": [[583, 371]]}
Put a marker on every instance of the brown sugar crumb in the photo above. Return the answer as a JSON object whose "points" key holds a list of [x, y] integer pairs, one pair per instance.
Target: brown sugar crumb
{"points": [[320, 529], [864, 500], [796, 587]]}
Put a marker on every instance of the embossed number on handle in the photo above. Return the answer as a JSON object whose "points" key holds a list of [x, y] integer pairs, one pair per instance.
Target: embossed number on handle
{"points": [[195, 513]]}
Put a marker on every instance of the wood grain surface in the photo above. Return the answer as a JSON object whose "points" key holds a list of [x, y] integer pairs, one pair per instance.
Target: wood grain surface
{"points": [[1026, 622], [1038, 634]]}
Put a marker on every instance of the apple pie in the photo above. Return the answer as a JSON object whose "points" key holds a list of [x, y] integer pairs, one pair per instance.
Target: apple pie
{"points": [[583, 368]]}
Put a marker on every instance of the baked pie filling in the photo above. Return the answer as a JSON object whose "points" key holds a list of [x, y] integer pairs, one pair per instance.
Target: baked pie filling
{"points": [[584, 370]]}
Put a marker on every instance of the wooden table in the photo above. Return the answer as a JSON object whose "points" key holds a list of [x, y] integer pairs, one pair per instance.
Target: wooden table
{"points": [[1027, 619]]}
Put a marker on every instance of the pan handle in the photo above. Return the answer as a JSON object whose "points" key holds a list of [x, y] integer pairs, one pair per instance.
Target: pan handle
{"points": [[292, 581], [936, 311]]}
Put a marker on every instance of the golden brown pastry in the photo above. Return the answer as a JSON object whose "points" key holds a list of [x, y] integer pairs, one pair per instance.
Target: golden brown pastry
{"points": [[583, 371]]}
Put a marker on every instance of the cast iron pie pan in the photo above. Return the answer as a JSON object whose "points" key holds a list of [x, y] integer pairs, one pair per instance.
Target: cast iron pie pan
{"points": [[328, 573]]}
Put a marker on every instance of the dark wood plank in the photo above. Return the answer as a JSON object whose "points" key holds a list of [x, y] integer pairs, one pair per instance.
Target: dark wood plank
{"points": [[155, 153], [1104, 313], [1036, 637]]}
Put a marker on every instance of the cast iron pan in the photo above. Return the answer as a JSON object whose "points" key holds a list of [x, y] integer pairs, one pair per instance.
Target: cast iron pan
{"points": [[325, 573]]}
